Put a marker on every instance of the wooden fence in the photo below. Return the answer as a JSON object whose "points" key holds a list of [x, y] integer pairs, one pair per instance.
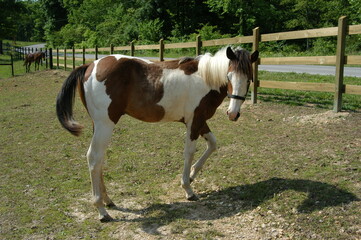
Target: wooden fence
{"points": [[7, 51], [11, 63], [339, 60]]}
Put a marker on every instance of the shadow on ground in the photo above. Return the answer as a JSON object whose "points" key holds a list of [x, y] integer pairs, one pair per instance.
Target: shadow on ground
{"points": [[237, 199]]}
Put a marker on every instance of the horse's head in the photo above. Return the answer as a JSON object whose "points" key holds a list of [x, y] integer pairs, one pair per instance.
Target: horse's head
{"points": [[239, 76]]}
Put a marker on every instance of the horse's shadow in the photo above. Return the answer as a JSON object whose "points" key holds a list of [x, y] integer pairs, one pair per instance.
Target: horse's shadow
{"points": [[237, 199]]}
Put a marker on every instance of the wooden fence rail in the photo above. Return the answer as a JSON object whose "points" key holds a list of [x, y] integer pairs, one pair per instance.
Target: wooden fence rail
{"points": [[339, 60]]}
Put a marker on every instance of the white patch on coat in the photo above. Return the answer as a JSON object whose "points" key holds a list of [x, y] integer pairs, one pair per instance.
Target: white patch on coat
{"points": [[95, 95], [182, 94]]}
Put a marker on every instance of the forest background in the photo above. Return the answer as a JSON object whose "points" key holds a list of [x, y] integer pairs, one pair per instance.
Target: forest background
{"points": [[86, 23]]}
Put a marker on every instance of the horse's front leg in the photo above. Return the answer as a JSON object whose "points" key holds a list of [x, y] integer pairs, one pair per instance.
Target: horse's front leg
{"points": [[189, 150], [211, 147]]}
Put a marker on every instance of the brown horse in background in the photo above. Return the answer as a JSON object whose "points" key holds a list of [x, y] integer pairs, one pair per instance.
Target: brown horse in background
{"points": [[36, 57], [39, 57], [29, 58]]}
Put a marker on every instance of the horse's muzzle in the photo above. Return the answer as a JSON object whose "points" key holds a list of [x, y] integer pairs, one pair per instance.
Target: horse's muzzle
{"points": [[233, 117]]}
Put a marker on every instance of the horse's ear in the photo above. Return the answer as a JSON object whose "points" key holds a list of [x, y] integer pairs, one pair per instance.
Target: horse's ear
{"points": [[230, 54], [254, 56]]}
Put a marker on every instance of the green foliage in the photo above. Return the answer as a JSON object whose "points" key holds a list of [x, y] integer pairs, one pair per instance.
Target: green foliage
{"points": [[324, 46], [10, 12], [65, 23], [150, 31], [208, 32]]}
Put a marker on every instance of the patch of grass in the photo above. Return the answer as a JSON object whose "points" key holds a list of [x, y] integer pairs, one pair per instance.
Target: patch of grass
{"points": [[272, 176]]}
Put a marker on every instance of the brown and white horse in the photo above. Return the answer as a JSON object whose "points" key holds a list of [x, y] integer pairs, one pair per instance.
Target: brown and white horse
{"points": [[187, 90]]}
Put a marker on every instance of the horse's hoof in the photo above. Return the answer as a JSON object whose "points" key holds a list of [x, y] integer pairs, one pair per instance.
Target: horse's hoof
{"points": [[106, 218], [193, 198], [111, 205]]}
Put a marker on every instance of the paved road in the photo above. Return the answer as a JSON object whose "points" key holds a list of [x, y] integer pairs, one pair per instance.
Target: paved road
{"points": [[311, 69], [38, 46]]}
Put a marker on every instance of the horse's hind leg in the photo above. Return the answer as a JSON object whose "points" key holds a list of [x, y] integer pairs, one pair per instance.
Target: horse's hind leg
{"points": [[101, 137]]}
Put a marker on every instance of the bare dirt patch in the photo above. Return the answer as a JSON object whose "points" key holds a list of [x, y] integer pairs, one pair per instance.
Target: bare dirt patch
{"points": [[319, 118]]}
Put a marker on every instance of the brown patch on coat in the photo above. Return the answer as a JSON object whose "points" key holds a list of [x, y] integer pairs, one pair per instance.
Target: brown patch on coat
{"points": [[105, 68], [87, 74], [133, 86], [205, 110], [188, 65]]}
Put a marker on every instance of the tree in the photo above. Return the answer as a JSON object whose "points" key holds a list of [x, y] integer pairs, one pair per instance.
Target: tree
{"points": [[55, 17], [10, 13]]}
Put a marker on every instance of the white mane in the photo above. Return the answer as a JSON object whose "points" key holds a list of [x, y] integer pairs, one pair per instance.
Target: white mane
{"points": [[213, 69]]}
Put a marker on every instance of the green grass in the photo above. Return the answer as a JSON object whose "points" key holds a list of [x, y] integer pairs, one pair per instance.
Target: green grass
{"points": [[272, 174], [20, 43]]}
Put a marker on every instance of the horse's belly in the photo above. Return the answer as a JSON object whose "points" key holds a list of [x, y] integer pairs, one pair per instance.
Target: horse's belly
{"points": [[173, 112]]}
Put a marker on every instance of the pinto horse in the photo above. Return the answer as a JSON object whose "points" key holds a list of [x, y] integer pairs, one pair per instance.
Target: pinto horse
{"points": [[187, 90]]}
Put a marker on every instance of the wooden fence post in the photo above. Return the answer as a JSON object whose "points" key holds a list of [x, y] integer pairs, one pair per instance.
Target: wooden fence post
{"points": [[65, 59], [340, 62], [255, 46], [161, 50], [83, 55], [111, 49], [73, 57], [51, 58], [132, 48], [199, 45], [96, 52], [57, 58], [46, 58], [12, 64]]}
